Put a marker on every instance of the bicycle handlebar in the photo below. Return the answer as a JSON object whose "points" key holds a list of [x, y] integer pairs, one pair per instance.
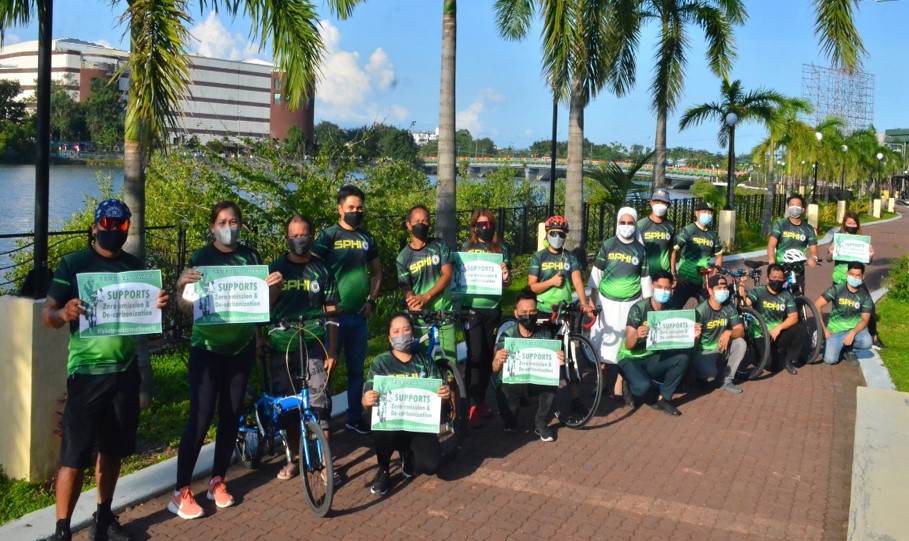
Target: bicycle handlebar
{"points": [[325, 319]]}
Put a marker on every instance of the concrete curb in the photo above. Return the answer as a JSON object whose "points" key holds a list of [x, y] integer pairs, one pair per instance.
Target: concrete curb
{"points": [[876, 374]]}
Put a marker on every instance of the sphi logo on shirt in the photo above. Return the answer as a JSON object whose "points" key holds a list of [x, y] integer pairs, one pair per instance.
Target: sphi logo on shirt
{"points": [[565, 266], [435, 259], [635, 261], [314, 286]]}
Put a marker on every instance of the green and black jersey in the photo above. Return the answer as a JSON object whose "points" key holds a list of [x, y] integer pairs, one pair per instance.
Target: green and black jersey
{"points": [[544, 265], [790, 236], [386, 364], [308, 288], [840, 271], [637, 316], [696, 246], [515, 332], [348, 255], [714, 323], [658, 242], [623, 265], [421, 269], [846, 307], [484, 301], [773, 308], [104, 354], [226, 338]]}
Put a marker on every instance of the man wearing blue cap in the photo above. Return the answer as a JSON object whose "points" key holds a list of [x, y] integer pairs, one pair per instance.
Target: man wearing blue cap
{"points": [[102, 387]]}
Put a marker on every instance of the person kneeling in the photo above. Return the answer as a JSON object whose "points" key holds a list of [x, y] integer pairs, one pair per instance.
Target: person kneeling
{"points": [[721, 336], [509, 395], [847, 329]]}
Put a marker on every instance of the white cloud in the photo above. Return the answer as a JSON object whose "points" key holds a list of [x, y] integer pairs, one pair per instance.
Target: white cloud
{"points": [[470, 118], [528, 132], [215, 41], [103, 43], [398, 113], [380, 69], [11, 39]]}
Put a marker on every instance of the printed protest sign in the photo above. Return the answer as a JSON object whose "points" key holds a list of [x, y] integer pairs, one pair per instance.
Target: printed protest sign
{"points": [[409, 404], [119, 303], [670, 329], [852, 247], [231, 294], [531, 361], [477, 273]]}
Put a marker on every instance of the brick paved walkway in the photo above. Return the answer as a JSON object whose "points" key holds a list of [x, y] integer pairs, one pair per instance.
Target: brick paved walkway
{"points": [[771, 463]]}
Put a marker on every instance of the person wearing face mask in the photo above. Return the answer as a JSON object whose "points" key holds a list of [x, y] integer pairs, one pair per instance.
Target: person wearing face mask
{"points": [[509, 396], [694, 246], [639, 366], [658, 232], [620, 277], [553, 271], [483, 315], [309, 290], [777, 306], [792, 232], [847, 328], [352, 255], [852, 226], [721, 336], [221, 357], [103, 378], [419, 452]]}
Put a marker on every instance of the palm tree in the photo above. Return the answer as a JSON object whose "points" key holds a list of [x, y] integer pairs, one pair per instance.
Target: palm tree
{"points": [[446, 187], [715, 18], [587, 44], [617, 182]]}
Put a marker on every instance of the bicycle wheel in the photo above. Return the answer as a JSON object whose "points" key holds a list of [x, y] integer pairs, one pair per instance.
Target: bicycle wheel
{"points": [[454, 410], [247, 447], [758, 339], [506, 324], [811, 319], [579, 391], [316, 469]]}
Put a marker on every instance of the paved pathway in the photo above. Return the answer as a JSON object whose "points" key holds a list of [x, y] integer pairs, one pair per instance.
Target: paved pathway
{"points": [[771, 463]]}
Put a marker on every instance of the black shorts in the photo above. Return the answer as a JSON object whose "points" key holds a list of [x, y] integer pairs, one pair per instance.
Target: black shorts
{"points": [[100, 410]]}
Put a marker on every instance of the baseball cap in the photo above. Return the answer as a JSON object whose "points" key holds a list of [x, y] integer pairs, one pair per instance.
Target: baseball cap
{"points": [[660, 195], [703, 206], [715, 279], [112, 208]]}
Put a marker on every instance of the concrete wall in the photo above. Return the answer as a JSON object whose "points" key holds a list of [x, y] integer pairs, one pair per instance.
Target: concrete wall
{"points": [[32, 381]]}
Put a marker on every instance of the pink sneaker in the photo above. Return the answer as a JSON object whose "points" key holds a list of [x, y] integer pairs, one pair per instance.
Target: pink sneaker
{"points": [[184, 505], [473, 418], [217, 492]]}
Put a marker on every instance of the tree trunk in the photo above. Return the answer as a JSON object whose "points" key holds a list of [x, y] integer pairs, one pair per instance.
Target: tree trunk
{"points": [[134, 196], [574, 177], [659, 155], [768, 200], [446, 215]]}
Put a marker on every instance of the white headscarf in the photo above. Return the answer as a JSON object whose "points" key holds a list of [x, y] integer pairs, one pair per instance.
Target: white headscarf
{"points": [[634, 215]]}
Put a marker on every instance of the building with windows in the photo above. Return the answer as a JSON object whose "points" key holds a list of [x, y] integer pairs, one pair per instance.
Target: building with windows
{"points": [[226, 98], [423, 137]]}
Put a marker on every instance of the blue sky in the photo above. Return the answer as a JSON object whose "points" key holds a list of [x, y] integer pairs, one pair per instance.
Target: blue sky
{"points": [[383, 65]]}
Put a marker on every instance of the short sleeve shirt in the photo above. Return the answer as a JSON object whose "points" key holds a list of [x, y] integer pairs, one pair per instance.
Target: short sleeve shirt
{"points": [[104, 354], [348, 255], [847, 307], [544, 265], [484, 301], [696, 247], [637, 316], [623, 265], [773, 308], [658, 242], [386, 364], [421, 269], [790, 236], [308, 288], [714, 323]]}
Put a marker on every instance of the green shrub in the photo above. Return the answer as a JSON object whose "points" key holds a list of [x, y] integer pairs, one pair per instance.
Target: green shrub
{"points": [[898, 283]]}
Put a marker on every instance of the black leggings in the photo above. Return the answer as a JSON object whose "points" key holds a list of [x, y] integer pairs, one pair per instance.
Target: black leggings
{"points": [[424, 449], [213, 377], [480, 339]]}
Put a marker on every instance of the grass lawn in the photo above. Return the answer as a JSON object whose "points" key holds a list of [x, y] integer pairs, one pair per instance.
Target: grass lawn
{"points": [[893, 326]]}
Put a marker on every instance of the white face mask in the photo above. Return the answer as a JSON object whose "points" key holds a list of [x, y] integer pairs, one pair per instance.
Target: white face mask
{"points": [[660, 210], [555, 241], [625, 231], [795, 211]]}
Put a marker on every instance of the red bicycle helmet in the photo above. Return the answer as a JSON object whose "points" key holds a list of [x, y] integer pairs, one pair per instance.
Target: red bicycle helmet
{"points": [[557, 222]]}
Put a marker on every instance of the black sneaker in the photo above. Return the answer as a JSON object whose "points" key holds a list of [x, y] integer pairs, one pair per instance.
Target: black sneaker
{"points": [[360, 427], [60, 536], [666, 407], [877, 343], [380, 483], [545, 433], [851, 359], [407, 466], [107, 529]]}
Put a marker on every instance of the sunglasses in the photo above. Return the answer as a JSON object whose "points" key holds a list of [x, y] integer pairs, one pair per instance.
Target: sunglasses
{"points": [[482, 225], [114, 223], [559, 234]]}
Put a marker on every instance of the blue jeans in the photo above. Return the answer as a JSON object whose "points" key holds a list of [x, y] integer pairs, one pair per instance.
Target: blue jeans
{"points": [[352, 336], [834, 345]]}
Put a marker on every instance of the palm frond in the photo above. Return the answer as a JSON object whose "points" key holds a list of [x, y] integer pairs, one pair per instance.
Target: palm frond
{"points": [[16, 13], [721, 50], [617, 182], [838, 36], [698, 114], [513, 18], [623, 18]]}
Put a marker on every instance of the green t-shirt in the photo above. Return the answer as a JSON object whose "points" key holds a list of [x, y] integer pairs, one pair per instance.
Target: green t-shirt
{"points": [[484, 301], [637, 316], [658, 242], [696, 246], [789, 236], [544, 265], [421, 269], [840, 270], [103, 354], [386, 364], [846, 307], [348, 254], [226, 338], [513, 332], [714, 323], [623, 265], [308, 288], [773, 308]]}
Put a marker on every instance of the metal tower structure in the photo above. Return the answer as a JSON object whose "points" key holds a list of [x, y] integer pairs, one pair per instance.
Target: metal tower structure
{"points": [[837, 93]]}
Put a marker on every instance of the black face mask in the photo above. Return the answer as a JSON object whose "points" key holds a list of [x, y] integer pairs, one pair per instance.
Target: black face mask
{"points": [[528, 322], [111, 241], [353, 219], [851, 230], [485, 234], [776, 285], [299, 246], [420, 231]]}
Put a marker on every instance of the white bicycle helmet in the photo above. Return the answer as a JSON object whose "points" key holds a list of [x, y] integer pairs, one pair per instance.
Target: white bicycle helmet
{"points": [[794, 255]]}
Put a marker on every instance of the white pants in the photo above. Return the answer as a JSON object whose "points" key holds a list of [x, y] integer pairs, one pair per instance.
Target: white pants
{"points": [[608, 332]]}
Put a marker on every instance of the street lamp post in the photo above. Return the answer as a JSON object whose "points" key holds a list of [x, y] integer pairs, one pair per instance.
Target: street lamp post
{"points": [[731, 119], [820, 137], [802, 174], [843, 174], [880, 157]]}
